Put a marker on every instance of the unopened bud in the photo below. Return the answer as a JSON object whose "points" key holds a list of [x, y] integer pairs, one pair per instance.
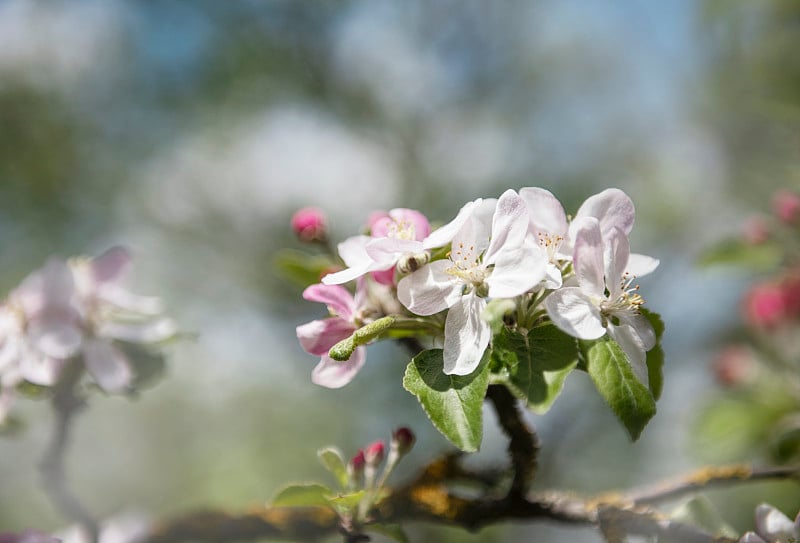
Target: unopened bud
{"points": [[358, 461], [310, 224], [403, 440], [786, 205], [373, 454]]}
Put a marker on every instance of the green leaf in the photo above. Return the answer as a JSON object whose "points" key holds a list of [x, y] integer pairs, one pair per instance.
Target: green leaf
{"points": [[303, 495], [655, 356], [629, 399], [301, 268], [344, 349], [347, 502], [332, 459], [537, 363], [700, 512], [452, 402], [555, 384], [392, 531], [757, 257]]}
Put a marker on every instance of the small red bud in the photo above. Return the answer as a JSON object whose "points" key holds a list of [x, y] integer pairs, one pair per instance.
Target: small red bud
{"points": [[403, 440], [374, 453], [310, 224], [357, 462]]}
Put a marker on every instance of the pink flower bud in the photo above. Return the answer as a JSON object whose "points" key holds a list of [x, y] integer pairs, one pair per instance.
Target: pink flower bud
{"points": [[374, 453], [765, 305], [357, 462], [755, 230], [786, 205], [733, 366], [403, 440], [310, 224]]}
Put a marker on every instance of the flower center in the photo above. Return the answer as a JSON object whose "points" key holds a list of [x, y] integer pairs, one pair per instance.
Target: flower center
{"points": [[627, 302], [402, 229], [467, 266], [550, 243]]}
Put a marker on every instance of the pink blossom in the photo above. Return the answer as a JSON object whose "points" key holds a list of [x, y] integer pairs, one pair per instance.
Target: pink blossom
{"points": [[394, 236], [310, 224], [318, 336], [786, 205]]}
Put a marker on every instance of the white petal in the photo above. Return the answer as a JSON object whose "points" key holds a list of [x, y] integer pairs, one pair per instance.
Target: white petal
{"points": [[144, 332], [107, 365], [573, 311], [631, 344], [517, 271], [471, 240], [639, 265], [480, 208], [354, 253], [588, 256], [773, 525], [545, 211], [429, 289], [509, 225], [617, 250], [387, 251], [333, 374], [466, 336], [127, 301], [54, 338], [552, 277], [612, 208], [40, 369], [643, 329]]}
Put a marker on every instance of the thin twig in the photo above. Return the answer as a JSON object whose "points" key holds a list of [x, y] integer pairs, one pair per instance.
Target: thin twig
{"points": [[708, 478]]}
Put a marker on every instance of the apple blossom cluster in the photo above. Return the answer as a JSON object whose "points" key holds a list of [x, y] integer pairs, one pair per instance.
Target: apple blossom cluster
{"points": [[78, 310], [519, 252]]}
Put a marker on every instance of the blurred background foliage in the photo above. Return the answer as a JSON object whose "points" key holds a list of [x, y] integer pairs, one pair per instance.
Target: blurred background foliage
{"points": [[191, 131]]}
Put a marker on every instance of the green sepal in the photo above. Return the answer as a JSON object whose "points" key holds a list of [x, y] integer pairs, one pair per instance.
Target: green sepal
{"points": [[332, 459], [629, 399], [301, 268], [452, 402], [537, 363], [303, 495], [148, 365], [655, 356], [344, 349]]}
